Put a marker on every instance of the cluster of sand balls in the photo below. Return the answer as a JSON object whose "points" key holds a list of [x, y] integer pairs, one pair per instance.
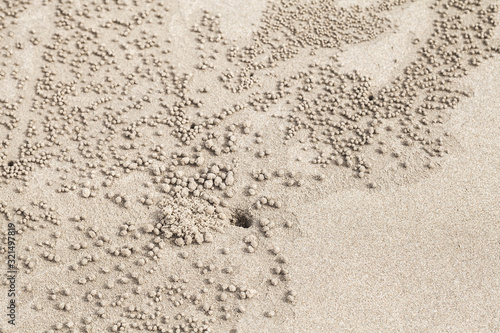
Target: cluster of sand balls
{"points": [[212, 295], [338, 109], [188, 221]]}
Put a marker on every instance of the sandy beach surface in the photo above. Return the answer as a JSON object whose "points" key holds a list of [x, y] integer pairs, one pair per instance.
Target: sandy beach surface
{"points": [[302, 166]]}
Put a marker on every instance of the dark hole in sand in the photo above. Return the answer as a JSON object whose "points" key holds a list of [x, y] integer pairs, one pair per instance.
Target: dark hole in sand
{"points": [[11, 163], [241, 219], [371, 98]]}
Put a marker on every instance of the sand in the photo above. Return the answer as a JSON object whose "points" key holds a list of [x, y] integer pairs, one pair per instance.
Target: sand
{"points": [[249, 166]]}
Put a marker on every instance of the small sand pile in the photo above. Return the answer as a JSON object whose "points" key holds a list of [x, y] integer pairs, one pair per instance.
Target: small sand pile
{"points": [[188, 220]]}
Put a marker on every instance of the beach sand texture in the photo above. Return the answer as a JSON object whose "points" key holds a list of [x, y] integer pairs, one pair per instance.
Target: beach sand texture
{"points": [[305, 166]]}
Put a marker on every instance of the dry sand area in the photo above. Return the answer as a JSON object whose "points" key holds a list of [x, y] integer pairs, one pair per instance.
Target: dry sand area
{"points": [[249, 166]]}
